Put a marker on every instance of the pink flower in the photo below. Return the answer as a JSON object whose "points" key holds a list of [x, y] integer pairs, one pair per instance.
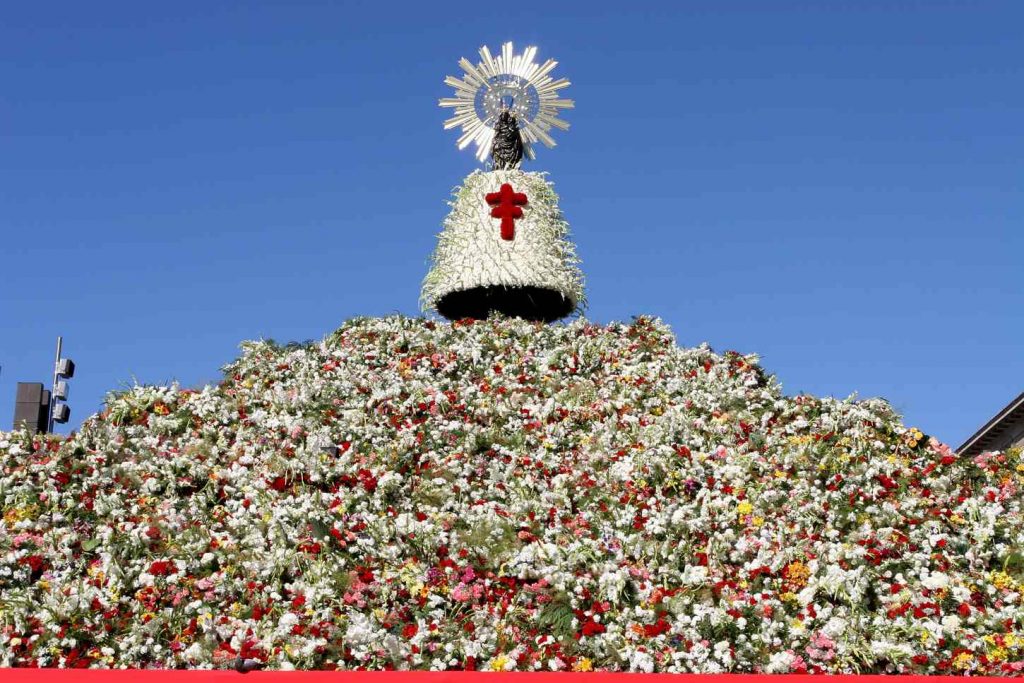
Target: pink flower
{"points": [[462, 593], [819, 639], [821, 647]]}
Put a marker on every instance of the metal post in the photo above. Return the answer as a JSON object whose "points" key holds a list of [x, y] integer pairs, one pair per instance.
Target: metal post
{"points": [[53, 387]]}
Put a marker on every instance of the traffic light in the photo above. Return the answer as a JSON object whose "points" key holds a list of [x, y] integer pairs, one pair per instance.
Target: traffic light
{"points": [[63, 369], [61, 413], [36, 408]]}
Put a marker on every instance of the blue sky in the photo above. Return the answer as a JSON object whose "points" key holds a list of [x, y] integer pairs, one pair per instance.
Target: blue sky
{"points": [[836, 186]]}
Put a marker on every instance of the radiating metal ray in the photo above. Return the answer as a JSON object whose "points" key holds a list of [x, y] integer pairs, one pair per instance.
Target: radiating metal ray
{"points": [[506, 80]]}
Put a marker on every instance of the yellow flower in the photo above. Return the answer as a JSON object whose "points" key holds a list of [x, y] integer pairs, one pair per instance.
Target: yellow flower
{"points": [[583, 664], [1002, 580], [744, 508], [798, 572], [962, 660], [13, 515], [498, 663]]}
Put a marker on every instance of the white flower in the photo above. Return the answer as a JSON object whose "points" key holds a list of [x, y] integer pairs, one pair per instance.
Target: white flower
{"points": [[780, 662], [806, 596], [641, 661], [694, 575], [935, 580]]}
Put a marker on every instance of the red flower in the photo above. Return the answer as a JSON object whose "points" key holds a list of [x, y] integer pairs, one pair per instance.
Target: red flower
{"points": [[35, 562], [657, 628], [162, 568], [367, 479], [410, 630], [592, 628]]}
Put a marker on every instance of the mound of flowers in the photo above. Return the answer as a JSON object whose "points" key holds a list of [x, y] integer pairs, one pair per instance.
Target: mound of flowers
{"points": [[501, 495]]}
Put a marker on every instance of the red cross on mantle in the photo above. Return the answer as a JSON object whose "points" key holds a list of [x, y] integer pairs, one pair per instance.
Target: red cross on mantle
{"points": [[506, 203]]}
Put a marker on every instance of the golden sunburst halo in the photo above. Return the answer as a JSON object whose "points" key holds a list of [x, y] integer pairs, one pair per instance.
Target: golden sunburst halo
{"points": [[508, 81]]}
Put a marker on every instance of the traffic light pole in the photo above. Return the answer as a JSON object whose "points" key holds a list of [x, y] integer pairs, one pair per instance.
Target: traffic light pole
{"points": [[53, 386]]}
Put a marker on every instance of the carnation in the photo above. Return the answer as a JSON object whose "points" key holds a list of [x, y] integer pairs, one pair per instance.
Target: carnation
{"points": [[503, 495]]}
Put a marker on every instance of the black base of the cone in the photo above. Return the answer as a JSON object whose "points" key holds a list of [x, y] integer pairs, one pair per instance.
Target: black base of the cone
{"points": [[530, 303]]}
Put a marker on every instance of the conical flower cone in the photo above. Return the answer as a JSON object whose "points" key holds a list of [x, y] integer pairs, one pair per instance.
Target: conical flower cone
{"points": [[526, 267]]}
